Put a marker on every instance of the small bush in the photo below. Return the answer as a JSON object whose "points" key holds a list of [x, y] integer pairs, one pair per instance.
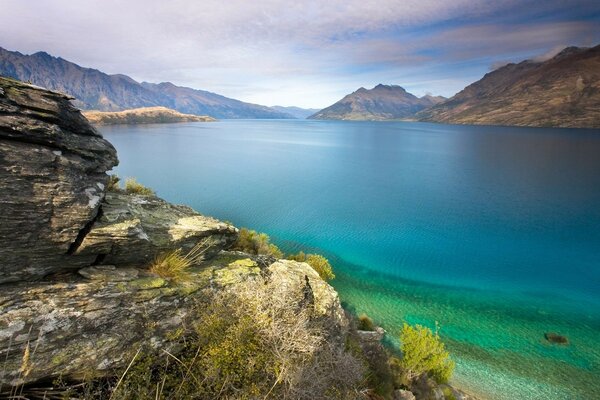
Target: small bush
{"points": [[321, 265], [134, 187], [113, 183], [174, 264], [252, 242], [365, 323], [424, 352], [317, 262]]}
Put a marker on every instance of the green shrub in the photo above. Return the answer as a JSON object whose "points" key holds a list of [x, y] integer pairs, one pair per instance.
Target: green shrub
{"points": [[321, 265], [424, 352], [317, 262], [134, 187], [365, 323], [252, 242]]}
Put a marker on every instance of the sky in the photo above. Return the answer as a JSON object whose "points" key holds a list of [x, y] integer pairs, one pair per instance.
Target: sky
{"points": [[302, 53]]}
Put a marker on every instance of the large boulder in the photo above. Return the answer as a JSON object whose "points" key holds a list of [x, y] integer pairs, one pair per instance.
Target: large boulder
{"points": [[52, 180]]}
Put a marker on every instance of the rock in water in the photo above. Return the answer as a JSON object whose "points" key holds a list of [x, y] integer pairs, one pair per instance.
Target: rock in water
{"points": [[52, 180], [556, 338]]}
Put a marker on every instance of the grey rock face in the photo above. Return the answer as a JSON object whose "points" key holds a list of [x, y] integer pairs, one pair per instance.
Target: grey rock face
{"points": [[80, 327], [52, 180], [134, 229]]}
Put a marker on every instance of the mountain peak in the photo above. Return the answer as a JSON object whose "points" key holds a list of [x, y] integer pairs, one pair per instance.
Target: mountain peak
{"points": [[383, 102]]}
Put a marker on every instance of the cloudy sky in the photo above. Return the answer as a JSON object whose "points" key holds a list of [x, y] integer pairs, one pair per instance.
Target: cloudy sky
{"points": [[304, 53]]}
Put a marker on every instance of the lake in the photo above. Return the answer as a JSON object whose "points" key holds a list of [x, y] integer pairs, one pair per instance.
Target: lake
{"points": [[493, 232]]}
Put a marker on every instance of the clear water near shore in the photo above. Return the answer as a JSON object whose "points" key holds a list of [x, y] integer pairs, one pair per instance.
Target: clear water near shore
{"points": [[493, 232]]}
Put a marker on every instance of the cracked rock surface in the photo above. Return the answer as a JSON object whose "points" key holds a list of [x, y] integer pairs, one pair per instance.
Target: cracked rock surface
{"points": [[52, 180]]}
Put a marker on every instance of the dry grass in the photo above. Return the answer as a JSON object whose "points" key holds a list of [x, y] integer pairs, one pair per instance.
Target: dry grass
{"points": [[134, 187], [174, 264]]}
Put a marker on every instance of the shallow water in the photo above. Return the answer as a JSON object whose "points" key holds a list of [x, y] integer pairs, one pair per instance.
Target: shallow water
{"points": [[494, 232]]}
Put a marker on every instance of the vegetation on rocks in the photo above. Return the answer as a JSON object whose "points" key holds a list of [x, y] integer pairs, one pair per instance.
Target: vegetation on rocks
{"points": [[175, 265], [317, 262], [253, 342], [424, 353], [134, 187], [365, 323], [252, 242]]}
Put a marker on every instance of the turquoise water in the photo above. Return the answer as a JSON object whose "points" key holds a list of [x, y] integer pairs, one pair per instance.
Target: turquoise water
{"points": [[493, 232]]}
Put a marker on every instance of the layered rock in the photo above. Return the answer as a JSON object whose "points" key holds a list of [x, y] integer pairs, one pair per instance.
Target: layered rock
{"points": [[91, 324], [52, 180]]}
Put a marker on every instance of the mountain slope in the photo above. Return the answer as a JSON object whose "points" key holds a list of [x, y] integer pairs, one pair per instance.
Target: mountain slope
{"points": [[95, 90], [380, 103], [563, 91], [300, 113]]}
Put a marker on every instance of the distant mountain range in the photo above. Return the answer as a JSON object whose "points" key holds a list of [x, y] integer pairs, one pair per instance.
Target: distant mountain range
{"points": [[95, 90], [383, 102], [563, 91], [300, 113]]}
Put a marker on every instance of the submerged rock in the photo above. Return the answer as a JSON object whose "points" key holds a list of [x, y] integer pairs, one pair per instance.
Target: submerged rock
{"points": [[556, 338]]}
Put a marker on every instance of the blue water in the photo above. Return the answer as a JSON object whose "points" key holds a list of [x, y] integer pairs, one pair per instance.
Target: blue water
{"points": [[494, 232]]}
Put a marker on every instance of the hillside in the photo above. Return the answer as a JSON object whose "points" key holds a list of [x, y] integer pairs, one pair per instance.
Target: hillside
{"points": [[383, 102], [146, 115], [95, 90], [563, 91]]}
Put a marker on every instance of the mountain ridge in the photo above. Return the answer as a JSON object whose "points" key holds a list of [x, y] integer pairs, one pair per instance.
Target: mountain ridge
{"points": [[563, 91], [96, 90], [382, 102]]}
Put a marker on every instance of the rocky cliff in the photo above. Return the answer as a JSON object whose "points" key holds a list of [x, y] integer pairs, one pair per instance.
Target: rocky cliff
{"points": [[76, 295], [563, 91]]}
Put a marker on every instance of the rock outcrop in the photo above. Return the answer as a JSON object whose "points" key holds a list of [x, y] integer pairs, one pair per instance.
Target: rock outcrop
{"points": [[91, 324], [77, 299], [52, 180]]}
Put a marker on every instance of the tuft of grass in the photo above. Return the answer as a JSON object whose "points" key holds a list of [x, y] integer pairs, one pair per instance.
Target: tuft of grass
{"points": [[134, 187], [174, 265], [365, 323], [113, 183]]}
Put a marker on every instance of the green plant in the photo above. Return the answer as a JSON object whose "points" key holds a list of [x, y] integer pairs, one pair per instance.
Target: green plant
{"points": [[317, 262], [448, 394], [424, 352], [134, 187], [252, 242], [365, 323], [321, 265], [174, 264]]}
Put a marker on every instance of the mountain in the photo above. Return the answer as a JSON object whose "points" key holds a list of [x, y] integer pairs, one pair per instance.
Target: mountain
{"points": [[297, 112], [146, 115], [380, 103], [95, 90], [563, 91]]}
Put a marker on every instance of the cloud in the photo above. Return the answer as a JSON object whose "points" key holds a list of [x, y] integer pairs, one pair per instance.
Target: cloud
{"points": [[258, 50]]}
